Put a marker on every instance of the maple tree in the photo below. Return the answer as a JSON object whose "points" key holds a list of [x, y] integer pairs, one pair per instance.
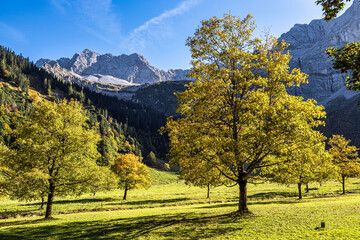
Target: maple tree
{"points": [[237, 113], [345, 158], [302, 167], [131, 172], [199, 173], [55, 154]]}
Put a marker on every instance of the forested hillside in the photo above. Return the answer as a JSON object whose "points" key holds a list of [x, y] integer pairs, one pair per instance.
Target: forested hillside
{"points": [[125, 127]]}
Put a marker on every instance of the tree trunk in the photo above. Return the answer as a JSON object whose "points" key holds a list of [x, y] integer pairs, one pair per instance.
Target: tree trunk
{"points": [[299, 188], [48, 213], [208, 191], [243, 196], [343, 184], [125, 193], [307, 188], [42, 202]]}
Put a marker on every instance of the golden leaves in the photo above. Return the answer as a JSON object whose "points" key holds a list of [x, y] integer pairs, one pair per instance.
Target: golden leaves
{"points": [[132, 173], [238, 111], [345, 156]]}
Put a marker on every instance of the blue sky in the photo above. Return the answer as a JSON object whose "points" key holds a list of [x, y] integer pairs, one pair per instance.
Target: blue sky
{"points": [[156, 29]]}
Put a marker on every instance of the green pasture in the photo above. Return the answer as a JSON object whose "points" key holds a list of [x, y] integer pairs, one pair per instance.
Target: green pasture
{"points": [[175, 211]]}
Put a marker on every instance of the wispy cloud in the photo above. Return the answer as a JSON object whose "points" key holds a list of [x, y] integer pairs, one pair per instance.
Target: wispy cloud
{"points": [[98, 19], [11, 33], [182, 8], [94, 16], [61, 5], [101, 17], [155, 28]]}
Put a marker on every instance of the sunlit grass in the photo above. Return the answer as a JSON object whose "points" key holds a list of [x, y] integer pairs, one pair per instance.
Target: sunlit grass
{"points": [[177, 211]]}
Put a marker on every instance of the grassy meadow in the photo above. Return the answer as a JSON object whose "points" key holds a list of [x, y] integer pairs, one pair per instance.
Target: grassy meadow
{"points": [[172, 210]]}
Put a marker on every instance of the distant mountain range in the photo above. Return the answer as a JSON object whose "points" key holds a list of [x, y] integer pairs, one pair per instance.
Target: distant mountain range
{"points": [[123, 70]]}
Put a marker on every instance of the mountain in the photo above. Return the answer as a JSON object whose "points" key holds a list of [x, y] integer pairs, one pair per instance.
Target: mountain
{"points": [[125, 126], [308, 43], [108, 74], [123, 70]]}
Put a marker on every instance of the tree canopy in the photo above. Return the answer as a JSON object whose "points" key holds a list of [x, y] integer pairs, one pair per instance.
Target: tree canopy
{"points": [[237, 113], [131, 172], [345, 158], [331, 8], [55, 154], [199, 173], [347, 60], [313, 164]]}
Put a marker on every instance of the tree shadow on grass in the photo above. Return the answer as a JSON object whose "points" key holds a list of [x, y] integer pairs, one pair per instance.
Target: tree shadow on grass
{"points": [[70, 201], [23, 222], [217, 205], [13, 213], [274, 202], [235, 204], [269, 195], [182, 226], [158, 201]]}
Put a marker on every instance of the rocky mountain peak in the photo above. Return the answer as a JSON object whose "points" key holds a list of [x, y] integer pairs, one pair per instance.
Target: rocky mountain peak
{"points": [[337, 32], [308, 43], [42, 61], [81, 61], [87, 51], [133, 68]]}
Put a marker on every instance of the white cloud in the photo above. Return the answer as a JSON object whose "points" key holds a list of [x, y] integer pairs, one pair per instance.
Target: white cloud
{"points": [[182, 8], [11, 33], [155, 28]]}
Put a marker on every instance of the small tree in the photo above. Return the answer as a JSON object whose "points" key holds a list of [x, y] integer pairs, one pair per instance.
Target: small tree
{"points": [[302, 167], [132, 173], [345, 158], [55, 154], [151, 159], [200, 173], [167, 167], [196, 171]]}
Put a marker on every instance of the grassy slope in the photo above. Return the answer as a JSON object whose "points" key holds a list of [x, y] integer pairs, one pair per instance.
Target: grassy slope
{"points": [[177, 211]]}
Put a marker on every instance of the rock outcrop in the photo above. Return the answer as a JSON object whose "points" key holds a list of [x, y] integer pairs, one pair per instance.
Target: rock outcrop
{"points": [[308, 43]]}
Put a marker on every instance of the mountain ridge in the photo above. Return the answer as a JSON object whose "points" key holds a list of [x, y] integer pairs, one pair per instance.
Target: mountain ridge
{"points": [[133, 68]]}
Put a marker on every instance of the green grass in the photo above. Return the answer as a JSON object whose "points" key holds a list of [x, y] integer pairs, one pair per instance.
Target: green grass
{"points": [[177, 211], [162, 177]]}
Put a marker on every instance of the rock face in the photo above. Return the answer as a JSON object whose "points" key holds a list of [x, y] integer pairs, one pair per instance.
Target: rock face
{"points": [[307, 45], [131, 69]]}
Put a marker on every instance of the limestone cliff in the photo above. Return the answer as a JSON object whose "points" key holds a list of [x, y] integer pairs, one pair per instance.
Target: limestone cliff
{"points": [[308, 43]]}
